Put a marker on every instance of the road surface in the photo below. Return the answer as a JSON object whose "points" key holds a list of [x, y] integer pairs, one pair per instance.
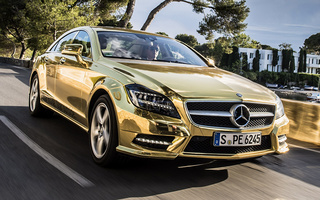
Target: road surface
{"points": [[49, 158]]}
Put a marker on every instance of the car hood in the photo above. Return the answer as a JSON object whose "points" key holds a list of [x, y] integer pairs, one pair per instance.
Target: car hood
{"points": [[197, 82]]}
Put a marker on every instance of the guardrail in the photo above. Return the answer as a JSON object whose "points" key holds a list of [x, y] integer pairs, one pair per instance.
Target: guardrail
{"points": [[17, 62], [304, 120]]}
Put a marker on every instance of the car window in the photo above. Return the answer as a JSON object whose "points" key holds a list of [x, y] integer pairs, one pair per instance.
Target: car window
{"points": [[83, 38], [65, 40], [146, 47]]}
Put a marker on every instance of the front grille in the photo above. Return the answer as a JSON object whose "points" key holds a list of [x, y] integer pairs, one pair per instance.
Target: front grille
{"points": [[261, 115], [199, 144]]}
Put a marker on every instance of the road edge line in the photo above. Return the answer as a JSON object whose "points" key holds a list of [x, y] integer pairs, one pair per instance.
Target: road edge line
{"points": [[304, 148], [78, 178]]}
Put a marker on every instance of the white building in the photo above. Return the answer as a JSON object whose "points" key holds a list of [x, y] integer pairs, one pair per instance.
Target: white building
{"points": [[313, 61]]}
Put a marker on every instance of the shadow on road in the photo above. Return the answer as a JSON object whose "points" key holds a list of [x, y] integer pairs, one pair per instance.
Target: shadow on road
{"points": [[21, 73]]}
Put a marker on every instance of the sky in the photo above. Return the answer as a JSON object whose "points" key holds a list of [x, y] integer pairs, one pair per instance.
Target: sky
{"points": [[270, 22]]}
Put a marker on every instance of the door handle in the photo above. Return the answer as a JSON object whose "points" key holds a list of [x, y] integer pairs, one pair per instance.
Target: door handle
{"points": [[62, 60]]}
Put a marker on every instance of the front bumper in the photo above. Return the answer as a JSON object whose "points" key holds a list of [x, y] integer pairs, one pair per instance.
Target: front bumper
{"points": [[149, 135]]}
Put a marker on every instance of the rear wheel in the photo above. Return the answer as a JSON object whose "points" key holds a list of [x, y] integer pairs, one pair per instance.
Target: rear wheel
{"points": [[103, 133], [35, 108]]}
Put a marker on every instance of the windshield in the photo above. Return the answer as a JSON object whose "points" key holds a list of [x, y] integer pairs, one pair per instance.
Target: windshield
{"points": [[146, 47]]}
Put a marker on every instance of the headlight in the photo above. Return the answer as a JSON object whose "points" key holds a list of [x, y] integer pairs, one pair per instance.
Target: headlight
{"points": [[280, 109], [152, 101]]}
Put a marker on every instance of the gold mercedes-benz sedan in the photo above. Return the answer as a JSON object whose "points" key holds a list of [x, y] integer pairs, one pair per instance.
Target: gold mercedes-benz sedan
{"points": [[148, 95]]}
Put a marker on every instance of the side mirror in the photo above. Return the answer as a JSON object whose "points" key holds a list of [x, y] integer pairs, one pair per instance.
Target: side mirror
{"points": [[211, 62], [72, 49], [75, 50]]}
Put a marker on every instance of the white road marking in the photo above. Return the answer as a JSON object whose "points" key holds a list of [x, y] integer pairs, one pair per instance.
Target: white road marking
{"points": [[45, 155], [300, 147]]}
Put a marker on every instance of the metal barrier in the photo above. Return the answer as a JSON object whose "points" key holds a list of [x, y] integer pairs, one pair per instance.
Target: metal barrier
{"points": [[304, 120]]}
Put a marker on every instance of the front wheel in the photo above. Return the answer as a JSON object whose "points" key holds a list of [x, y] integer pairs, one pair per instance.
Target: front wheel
{"points": [[103, 132]]}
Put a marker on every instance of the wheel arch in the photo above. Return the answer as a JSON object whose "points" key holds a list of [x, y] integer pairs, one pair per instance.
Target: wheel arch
{"points": [[31, 76], [98, 93]]}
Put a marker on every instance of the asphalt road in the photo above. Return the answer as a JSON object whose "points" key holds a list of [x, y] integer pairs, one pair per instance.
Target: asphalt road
{"points": [[49, 158]]}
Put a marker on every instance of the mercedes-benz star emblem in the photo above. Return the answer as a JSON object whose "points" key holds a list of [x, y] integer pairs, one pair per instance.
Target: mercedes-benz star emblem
{"points": [[240, 115]]}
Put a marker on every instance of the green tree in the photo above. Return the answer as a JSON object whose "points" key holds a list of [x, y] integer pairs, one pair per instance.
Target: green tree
{"points": [[6, 44], [36, 24], [244, 41], [302, 60], [48, 19], [285, 46], [224, 16], [223, 45], [162, 33], [256, 62], [287, 58], [224, 61], [267, 47], [109, 11], [275, 58], [128, 14], [13, 22], [292, 64], [312, 44], [188, 39], [245, 65], [235, 61]]}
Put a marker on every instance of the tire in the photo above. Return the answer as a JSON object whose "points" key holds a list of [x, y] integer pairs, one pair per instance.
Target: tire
{"points": [[103, 133], [35, 108]]}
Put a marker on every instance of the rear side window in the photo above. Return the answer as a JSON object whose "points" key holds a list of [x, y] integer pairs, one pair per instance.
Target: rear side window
{"points": [[63, 41]]}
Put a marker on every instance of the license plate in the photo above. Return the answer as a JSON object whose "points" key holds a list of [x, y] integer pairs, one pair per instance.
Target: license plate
{"points": [[237, 139]]}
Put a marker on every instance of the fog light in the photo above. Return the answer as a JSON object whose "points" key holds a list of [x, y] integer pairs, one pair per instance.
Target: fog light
{"points": [[282, 139], [153, 141]]}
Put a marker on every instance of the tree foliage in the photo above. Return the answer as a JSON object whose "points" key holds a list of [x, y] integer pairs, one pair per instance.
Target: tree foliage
{"points": [[37, 23], [128, 14], [224, 16], [287, 59], [188, 39], [162, 33], [244, 41], [256, 62], [312, 44], [245, 65], [13, 22], [285, 46], [275, 58], [302, 61], [232, 61]]}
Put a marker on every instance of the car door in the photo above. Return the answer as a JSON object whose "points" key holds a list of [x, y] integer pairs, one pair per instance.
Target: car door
{"points": [[51, 63], [52, 60], [70, 80]]}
